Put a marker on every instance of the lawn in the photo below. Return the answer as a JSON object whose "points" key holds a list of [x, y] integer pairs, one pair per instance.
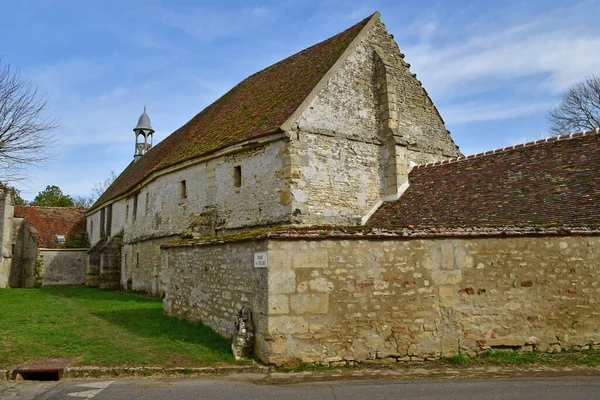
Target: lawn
{"points": [[103, 328]]}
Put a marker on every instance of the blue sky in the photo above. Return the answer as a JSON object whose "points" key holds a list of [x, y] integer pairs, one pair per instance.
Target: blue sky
{"points": [[493, 68]]}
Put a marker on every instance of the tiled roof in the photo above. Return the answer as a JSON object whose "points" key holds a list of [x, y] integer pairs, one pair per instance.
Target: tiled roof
{"points": [[47, 222], [256, 107], [552, 182]]}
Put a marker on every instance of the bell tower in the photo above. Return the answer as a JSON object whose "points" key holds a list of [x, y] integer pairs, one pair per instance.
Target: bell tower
{"points": [[143, 135]]}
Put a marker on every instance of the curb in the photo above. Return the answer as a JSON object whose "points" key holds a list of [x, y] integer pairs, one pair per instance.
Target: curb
{"points": [[113, 372], [270, 375], [91, 372]]}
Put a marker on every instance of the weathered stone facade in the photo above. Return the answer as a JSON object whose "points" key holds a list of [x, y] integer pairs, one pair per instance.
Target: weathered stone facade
{"points": [[25, 254], [402, 299], [346, 149], [212, 283], [357, 138], [62, 266]]}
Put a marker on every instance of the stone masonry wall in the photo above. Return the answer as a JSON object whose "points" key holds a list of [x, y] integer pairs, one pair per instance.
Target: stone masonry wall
{"points": [[212, 283], [163, 210], [63, 266], [22, 272], [142, 269], [357, 300], [371, 119]]}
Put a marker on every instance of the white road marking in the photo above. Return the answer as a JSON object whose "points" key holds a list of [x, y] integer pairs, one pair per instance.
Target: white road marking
{"points": [[88, 394], [96, 385]]}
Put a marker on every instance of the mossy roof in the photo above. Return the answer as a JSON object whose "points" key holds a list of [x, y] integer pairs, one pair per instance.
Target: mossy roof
{"points": [[256, 107], [47, 222], [547, 183]]}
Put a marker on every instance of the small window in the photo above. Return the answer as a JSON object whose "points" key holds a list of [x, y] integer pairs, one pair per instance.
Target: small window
{"points": [[126, 212], [237, 176], [182, 190], [135, 201], [91, 228], [61, 239], [147, 201]]}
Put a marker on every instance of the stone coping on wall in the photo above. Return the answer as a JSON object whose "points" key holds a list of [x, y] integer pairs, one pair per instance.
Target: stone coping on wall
{"points": [[359, 232], [64, 249]]}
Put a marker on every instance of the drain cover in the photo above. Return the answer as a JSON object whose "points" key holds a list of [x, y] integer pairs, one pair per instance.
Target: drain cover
{"points": [[44, 369]]}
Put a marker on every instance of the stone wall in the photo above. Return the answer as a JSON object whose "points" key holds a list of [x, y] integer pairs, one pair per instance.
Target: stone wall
{"points": [[356, 300], [63, 266], [25, 255], [356, 140], [142, 269], [212, 283]]}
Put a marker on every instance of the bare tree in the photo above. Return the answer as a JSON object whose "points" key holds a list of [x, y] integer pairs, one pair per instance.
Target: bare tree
{"points": [[100, 187], [83, 201], [24, 129], [579, 108]]}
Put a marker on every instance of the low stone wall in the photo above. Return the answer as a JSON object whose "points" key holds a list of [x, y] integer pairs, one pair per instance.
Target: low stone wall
{"points": [[63, 266], [212, 283], [335, 300]]}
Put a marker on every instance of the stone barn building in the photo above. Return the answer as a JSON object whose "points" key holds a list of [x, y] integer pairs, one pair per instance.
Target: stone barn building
{"points": [[325, 193]]}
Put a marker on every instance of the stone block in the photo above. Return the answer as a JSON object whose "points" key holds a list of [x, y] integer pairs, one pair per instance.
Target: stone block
{"points": [[447, 296], [310, 303], [506, 341], [279, 259], [450, 346], [278, 304], [310, 259], [447, 255], [449, 277], [286, 325], [281, 281], [321, 285]]}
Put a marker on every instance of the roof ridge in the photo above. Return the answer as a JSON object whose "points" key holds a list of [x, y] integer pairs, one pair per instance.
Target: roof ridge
{"points": [[257, 106], [513, 147]]}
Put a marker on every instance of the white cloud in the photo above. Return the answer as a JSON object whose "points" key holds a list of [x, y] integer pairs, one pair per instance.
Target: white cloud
{"points": [[492, 111]]}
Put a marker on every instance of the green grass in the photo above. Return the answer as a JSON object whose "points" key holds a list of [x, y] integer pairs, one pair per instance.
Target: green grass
{"points": [[458, 359], [566, 358], [102, 328]]}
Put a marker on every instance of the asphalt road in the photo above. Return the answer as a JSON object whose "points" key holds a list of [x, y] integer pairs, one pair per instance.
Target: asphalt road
{"points": [[572, 387]]}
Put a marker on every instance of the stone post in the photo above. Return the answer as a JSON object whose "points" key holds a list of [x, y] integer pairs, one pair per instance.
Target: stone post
{"points": [[6, 227]]}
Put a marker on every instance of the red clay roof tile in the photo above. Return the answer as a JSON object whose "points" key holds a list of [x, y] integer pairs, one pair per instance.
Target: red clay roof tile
{"points": [[47, 222], [552, 182]]}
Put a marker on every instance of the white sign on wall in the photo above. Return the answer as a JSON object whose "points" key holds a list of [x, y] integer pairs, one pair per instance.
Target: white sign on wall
{"points": [[260, 259]]}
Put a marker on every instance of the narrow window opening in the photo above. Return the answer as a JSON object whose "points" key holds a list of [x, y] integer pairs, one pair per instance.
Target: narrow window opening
{"points": [[102, 222], [147, 202], [237, 176], [109, 220], [126, 212], [135, 201], [182, 190]]}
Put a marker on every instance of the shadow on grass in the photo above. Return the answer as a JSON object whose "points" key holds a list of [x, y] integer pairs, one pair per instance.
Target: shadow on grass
{"points": [[85, 293], [154, 324]]}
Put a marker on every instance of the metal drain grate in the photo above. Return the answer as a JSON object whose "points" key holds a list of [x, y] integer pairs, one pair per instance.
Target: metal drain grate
{"points": [[44, 369]]}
